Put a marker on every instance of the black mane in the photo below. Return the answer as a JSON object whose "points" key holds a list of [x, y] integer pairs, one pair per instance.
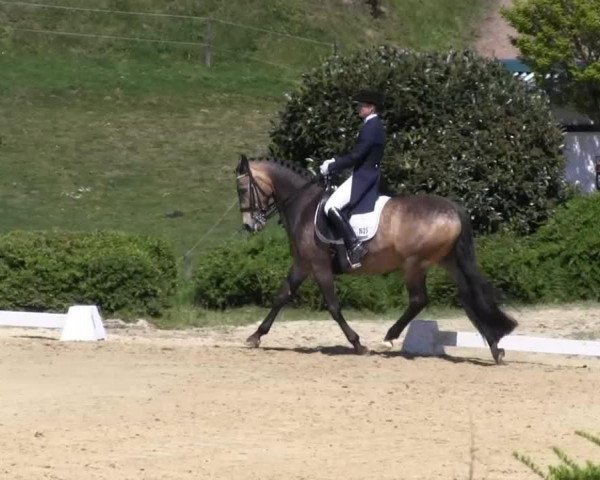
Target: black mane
{"points": [[304, 173]]}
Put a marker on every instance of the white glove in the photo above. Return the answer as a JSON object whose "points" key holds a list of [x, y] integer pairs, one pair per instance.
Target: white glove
{"points": [[324, 168]]}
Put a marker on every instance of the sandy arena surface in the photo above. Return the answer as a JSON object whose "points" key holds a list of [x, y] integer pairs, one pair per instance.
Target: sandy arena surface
{"points": [[151, 404]]}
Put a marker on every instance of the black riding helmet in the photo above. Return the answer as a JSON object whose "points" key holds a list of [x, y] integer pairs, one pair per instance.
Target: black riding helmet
{"points": [[371, 97]]}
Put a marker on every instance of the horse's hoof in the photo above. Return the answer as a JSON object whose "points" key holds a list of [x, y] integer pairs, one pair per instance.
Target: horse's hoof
{"points": [[253, 342], [361, 350], [387, 345], [498, 355]]}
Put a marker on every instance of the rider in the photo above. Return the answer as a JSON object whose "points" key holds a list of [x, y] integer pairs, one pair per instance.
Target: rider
{"points": [[360, 191]]}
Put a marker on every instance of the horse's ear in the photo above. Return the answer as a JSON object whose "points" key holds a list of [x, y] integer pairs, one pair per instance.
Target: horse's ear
{"points": [[243, 166]]}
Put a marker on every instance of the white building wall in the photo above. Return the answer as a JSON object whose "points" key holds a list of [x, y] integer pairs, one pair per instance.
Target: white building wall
{"points": [[581, 150]]}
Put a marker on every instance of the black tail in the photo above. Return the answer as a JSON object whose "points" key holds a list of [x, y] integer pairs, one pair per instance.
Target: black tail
{"points": [[477, 294]]}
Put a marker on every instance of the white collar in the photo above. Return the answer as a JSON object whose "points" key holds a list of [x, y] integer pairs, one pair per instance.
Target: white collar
{"points": [[373, 115]]}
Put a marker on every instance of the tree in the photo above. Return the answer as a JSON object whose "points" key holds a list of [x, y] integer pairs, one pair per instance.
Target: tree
{"points": [[458, 125], [561, 39]]}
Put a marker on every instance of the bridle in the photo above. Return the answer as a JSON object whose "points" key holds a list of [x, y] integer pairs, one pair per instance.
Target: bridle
{"points": [[259, 210]]}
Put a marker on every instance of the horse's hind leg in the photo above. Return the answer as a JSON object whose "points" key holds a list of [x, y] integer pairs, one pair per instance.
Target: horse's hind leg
{"points": [[417, 301], [324, 279], [290, 285]]}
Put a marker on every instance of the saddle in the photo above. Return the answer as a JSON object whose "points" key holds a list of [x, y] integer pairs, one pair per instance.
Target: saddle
{"points": [[364, 225]]}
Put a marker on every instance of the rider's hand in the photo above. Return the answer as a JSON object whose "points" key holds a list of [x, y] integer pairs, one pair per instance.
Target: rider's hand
{"points": [[324, 168]]}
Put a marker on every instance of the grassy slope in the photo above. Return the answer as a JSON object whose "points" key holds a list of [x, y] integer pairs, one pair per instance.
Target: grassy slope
{"points": [[112, 135], [144, 140], [421, 24]]}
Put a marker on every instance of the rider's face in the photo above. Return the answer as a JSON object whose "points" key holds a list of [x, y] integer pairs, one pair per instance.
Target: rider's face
{"points": [[365, 109]]}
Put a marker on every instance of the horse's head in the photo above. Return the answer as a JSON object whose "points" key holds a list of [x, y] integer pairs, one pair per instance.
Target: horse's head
{"points": [[255, 194]]}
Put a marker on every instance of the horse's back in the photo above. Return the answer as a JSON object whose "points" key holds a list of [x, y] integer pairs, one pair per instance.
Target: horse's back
{"points": [[424, 206], [425, 227]]}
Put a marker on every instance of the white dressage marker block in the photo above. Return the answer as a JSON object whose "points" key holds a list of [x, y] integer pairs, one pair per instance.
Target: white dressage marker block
{"points": [[81, 322], [424, 338]]}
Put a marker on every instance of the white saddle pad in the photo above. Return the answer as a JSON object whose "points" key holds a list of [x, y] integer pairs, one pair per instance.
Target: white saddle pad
{"points": [[365, 224]]}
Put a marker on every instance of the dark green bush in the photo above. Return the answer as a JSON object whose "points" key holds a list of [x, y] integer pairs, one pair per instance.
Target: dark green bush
{"points": [[458, 125], [49, 271], [248, 271], [559, 263]]}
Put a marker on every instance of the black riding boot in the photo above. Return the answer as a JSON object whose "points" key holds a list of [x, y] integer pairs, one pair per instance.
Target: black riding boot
{"points": [[356, 249]]}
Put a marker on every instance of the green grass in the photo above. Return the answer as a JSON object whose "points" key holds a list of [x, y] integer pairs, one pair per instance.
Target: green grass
{"points": [[186, 316], [423, 24], [138, 141], [26, 76]]}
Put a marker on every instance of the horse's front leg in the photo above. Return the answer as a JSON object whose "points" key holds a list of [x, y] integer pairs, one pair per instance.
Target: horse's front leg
{"points": [[290, 285], [325, 280]]}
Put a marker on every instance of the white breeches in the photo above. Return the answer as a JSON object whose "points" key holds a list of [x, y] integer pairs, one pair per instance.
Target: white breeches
{"points": [[341, 197]]}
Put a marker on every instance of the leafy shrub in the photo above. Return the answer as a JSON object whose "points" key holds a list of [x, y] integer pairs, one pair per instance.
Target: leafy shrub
{"points": [[458, 125], [49, 271], [560, 262], [568, 469]]}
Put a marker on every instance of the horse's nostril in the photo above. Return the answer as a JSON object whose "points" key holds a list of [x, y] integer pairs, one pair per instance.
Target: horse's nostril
{"points": [[247, 227]]}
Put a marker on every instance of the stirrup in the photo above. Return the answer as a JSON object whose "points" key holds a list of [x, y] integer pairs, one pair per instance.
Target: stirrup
{"points": [[353, 266], [359, 250]]}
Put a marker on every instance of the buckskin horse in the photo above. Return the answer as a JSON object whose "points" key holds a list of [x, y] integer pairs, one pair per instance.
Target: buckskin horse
{"points": [[415, 232]]}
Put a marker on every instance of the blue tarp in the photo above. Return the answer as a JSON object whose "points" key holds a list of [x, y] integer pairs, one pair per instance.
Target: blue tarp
{"points": [[515, 66]]}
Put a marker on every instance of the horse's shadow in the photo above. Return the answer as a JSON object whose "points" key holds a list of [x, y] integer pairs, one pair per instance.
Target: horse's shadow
{"points": [[339, 350], [37, 337]]}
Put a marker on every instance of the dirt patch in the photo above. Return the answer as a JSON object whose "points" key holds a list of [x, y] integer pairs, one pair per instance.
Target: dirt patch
{"points": [[493, 38], [150, 404]]}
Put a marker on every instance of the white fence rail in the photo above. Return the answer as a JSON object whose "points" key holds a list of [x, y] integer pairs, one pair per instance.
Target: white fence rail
{"points": [[80, 323], [424, 338]]}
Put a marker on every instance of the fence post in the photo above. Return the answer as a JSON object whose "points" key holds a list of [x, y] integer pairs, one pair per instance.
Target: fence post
{"points": [[336, 48], [208, 43], [188, 266]]}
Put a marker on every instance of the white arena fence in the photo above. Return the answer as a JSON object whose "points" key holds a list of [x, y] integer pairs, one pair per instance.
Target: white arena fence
{"points": [[424, 338], [80, 323]]}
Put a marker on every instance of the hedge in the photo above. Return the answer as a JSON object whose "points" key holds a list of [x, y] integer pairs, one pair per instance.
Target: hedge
{"points": [[121, 273], [560, 263]]}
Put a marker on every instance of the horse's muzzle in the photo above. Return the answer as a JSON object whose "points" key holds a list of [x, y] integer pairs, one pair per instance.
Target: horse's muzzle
{"points": [[254, 227]]}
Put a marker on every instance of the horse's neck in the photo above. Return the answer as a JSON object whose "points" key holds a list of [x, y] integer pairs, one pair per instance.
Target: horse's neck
{"points": [[285, 182], [294, 193]]}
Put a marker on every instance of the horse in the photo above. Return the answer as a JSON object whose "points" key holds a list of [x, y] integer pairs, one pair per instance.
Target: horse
{"points": [[415, 232]]}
